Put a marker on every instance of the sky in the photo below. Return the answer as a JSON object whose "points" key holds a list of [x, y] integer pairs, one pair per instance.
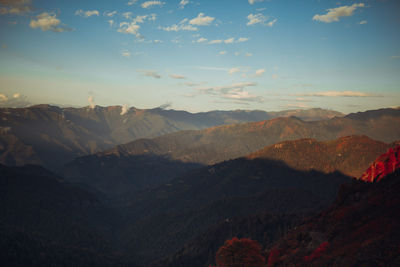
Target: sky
{"points": [[201, 55]]}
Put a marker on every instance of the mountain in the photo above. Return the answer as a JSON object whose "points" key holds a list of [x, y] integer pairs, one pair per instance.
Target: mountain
{"points": [[383, 165], [350, 155], [359, 229], [45, 221], [52, 135], [226, 142], [173, 214]]}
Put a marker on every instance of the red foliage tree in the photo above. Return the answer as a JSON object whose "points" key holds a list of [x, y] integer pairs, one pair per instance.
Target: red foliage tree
{"points": [[240, 253]]}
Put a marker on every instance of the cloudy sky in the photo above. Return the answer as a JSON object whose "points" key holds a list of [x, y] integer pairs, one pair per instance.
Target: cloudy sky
{"points": [[201, 55]]}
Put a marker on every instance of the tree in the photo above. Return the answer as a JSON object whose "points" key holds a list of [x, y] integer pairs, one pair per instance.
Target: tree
{"points": [[240, 253]]}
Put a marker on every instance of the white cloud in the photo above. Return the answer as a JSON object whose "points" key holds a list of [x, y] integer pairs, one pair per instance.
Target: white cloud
{"points": [[229, 41], [16, 101], [191, 84], [132, 27], [201, 20], [274, 76], [150, 4], [126, 53], [129, 28], [16, 7], [222, 52], [3, 98], [339, 94], [132, 2], [363, 22], [109, 14], [92, 104], [260, 72], [111, 22], [201, 40], [177, 76], [248, 54], [242, 39], [124, 109], [181, 26], [47, 22], [255, 19], [236, 53], [272, 22], [86, 14], [232, 92], [260, 19], [183, 3], [127, 15], [158, 41], [215, 42], [233, 70], [150, 73], [335, 13], [251, 2]]}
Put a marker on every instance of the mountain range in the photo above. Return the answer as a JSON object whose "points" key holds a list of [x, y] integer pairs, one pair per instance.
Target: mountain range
{"points": [[51, 136], [174, 199]]}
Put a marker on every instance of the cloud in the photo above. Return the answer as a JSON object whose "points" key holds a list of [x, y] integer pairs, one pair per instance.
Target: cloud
{"points": [[229, 41], [363, 22], [127, 15], [274, 76], [111, 22], [177, 76], [255, 19], [201, 40], [236, 53], [201, 20], [86, 14], [124, 109], [126, 53], [339, 94], [260, 72], [48, 22], [335, 13], [129, 28], [150, 73], [297, 105], [92, 104], [165, 106], [158, 41], [132, 2], [251, 2], [150, 4], [272, 22], [181, 26], [260, 19], [15, 101], [222, 52], [232, 92], [183, 3], [242, 39], [395, 57], [248, 54], [132, 27], [215, 42], [15, 7], [109, 14], [191, 84], [233, 70]]}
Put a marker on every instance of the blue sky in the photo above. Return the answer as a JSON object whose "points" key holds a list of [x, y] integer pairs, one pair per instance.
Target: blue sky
{"points": [[201, 55]]}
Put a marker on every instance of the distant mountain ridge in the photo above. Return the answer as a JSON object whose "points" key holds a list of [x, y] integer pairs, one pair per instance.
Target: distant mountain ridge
{"points": [[52, 136], [226, 142]]}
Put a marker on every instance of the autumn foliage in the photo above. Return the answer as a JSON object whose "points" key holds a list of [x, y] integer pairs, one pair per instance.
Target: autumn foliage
{"points": [[240, 253], [382, 166]]}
